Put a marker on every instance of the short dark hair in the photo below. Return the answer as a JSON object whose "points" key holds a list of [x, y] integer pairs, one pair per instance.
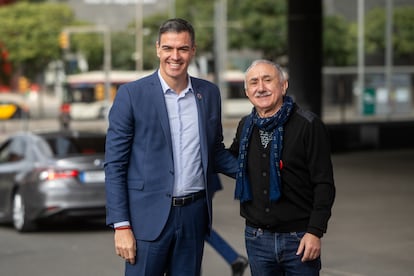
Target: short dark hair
{"points": [[177, 25]]}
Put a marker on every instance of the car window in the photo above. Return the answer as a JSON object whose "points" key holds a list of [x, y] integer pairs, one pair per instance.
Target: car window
{"points": [[4, 152], [17, 149], [65, 146], [13, 150], [43, 147]]}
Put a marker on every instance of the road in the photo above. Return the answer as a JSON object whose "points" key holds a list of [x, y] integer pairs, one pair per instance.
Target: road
{"points": [[370, 233]]}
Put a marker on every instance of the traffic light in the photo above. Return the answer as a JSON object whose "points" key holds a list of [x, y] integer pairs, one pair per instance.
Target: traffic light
{"points": [[64, 40]]}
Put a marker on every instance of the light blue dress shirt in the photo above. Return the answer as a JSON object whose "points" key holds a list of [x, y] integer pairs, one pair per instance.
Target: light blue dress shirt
{"points": [[184, 127], [183, 118]]}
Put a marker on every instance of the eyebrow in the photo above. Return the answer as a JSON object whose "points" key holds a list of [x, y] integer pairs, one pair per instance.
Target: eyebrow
{"points": [[184, 47]]}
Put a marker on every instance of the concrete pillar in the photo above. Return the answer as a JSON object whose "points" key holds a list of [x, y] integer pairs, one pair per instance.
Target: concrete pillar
{"points": [[305, 53]]}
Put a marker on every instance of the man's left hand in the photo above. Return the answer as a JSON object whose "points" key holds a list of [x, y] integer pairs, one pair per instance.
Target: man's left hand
{"points": [[310, 247]]}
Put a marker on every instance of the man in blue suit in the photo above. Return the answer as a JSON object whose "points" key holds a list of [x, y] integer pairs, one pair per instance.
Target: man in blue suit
{"points": [[164, 144]]}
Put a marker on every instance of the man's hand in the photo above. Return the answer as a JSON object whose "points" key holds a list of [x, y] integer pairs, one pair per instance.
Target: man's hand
{"points": [[310, 246], [125, 245]]}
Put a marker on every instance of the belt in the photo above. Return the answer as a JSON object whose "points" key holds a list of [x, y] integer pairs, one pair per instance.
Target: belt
{"points": [[185, 200]]}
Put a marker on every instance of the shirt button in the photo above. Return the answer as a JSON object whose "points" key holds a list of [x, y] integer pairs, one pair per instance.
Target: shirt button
{"points": [[267, 210], [264, 155], [265, 192], [264, 173]]}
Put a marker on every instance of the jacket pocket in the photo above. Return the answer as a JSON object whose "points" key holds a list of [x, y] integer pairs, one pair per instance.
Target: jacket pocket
{"points": [[135, 184]]}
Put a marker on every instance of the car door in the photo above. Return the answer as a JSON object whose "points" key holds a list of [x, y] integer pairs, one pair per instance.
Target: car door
{"points": [[12, 154]]}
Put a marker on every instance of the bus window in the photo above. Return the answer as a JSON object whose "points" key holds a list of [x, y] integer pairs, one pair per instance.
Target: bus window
{"points": [[84, 96]]}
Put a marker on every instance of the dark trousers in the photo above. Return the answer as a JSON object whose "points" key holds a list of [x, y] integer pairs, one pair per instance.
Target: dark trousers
{"points": [[179, 249], [222, 247]]}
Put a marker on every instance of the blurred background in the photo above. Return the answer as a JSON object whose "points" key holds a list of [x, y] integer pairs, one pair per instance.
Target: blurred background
{"points": [[349, 61]]}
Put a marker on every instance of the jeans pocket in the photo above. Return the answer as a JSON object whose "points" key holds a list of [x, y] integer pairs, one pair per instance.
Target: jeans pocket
{"points": [[297, 235], [252, 233]]}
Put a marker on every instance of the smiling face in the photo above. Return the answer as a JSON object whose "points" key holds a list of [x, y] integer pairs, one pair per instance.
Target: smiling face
{"points": [[265, 88], [175, 51]]}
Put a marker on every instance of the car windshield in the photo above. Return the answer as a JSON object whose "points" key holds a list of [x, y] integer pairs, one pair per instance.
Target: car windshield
{"points": [[65, 146]]}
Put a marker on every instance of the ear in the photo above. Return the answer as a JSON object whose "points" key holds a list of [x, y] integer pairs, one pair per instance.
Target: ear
{"points": [[285, 87]]}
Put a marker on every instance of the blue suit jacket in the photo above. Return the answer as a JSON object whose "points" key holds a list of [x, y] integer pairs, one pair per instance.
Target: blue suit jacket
{"points": [[139, 165]]}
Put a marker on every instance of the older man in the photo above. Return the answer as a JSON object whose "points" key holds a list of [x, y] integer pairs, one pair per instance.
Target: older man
{"points": [[285, 181]]}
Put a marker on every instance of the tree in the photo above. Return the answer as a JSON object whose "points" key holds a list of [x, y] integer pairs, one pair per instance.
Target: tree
{"points": [[263, 26], [201, 16], [339, 45], [403, 33], [151, 26], [123, 47], [91, 46], [30, 34], [259, 25]]}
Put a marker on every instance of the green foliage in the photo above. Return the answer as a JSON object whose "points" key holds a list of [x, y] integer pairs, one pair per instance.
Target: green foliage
{"points": [[201, 16], [403, 31], [123, 47], [262, 26], [151, 26], [30, 30], [258, 25], [91, 46], [374, 38], [30, 33], [375, 30], [339, 42]]}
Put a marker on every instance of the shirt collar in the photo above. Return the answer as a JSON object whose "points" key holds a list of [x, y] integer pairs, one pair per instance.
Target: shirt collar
{"points": [[166, 88]]}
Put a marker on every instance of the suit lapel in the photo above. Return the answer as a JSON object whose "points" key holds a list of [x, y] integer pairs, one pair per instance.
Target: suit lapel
{"points": [[161, 108], [201, 98]]}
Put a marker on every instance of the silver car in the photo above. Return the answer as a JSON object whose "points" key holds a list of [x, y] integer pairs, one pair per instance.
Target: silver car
{"points": [[51, 175]]}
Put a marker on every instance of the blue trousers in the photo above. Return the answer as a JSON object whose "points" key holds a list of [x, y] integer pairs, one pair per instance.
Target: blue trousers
{"points": [[222, 247], [274, 254], [179, 249]]}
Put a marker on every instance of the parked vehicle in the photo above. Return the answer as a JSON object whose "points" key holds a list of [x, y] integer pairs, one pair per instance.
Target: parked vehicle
{"points": [[13, 110], [84, 96], [51, 175]]}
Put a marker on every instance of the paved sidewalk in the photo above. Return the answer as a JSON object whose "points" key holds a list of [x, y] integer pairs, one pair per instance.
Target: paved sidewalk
{"points": [[372, 226], [371, 229]]}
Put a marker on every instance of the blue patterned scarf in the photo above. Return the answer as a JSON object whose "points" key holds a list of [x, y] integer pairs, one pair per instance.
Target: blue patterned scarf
{"points": [[272, 124]]}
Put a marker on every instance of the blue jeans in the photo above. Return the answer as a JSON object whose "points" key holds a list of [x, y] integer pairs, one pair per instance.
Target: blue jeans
{"points": [[272, 254]]}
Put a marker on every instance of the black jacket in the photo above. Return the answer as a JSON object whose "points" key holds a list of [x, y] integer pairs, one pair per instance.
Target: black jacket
{"points": [[307, 187]]}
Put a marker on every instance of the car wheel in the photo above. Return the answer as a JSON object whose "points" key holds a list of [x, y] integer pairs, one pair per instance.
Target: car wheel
{"points": [[20, 221]]}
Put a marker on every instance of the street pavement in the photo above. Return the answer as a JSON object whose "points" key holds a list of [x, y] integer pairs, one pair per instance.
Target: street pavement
{"points": [[371, 229]]}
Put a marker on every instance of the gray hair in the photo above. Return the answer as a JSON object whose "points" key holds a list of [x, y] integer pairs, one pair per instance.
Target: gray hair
{"points": [[283, 75]]}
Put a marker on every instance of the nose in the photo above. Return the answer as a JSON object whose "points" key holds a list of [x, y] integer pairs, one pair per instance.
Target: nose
{"points": [[175, 54], [260, 85]]}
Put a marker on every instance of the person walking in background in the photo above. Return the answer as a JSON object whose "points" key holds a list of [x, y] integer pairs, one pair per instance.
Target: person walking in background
{"points": [[164, 144], [285, 181], [237, 262]]}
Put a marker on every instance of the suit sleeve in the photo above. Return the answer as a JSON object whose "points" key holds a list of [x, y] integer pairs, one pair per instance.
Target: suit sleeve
{"points": [[225, 161], [117, 153]]}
